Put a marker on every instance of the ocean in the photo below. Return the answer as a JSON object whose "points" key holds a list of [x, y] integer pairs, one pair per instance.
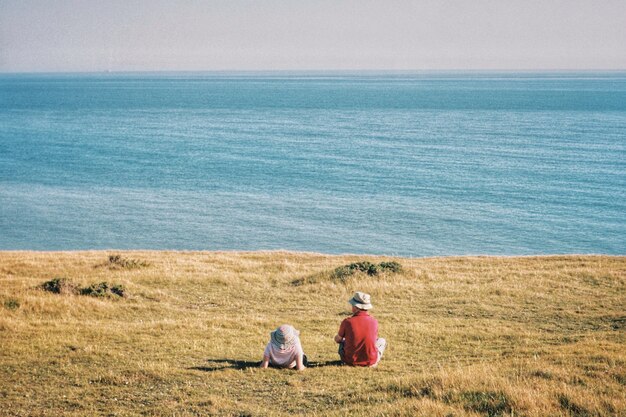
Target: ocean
{"points": [[407, 164]]}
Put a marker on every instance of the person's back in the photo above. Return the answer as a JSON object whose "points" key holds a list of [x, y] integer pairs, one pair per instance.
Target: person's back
{"points": [[360, 333], [284, 349], [359, 344]]}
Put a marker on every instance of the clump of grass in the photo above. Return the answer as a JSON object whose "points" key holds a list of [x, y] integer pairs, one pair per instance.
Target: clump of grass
{"points": [[104, 289], [618, 323], [492, 404], [60, 286], [344, 272], [11, 304], [486, 402], [621, 378], [391, 266], [65, 286], [413, 390], [96, 290], [119, 262], [118, 290], [573, 408], [542, 374]]}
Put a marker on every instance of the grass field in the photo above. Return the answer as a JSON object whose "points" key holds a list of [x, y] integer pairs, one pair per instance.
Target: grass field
{"points": [[488, 336]]}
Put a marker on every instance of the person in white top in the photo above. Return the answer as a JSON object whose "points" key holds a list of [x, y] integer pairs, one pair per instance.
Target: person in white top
{"points": [[284, 349]]}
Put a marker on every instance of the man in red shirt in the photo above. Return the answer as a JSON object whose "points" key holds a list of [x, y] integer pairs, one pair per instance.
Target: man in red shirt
{"points": [[359, 344]]}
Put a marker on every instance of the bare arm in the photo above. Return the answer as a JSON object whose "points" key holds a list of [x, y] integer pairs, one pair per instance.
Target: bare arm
{"points": [[265, 363], [299, 363], [341, 333]]}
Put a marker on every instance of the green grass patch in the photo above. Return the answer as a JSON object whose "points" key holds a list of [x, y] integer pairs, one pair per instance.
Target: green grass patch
{"points": [[11, 304], [101, 289], [60, 286], [119, 262], [104, 289], [344, 273], [489, 403], [574, 409]]}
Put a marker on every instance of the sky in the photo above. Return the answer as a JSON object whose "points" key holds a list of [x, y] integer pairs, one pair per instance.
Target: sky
{"points": [[247, 35]]}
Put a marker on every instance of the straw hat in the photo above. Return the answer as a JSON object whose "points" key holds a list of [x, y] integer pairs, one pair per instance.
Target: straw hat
{"points": [[361, 301], [284, 337]]}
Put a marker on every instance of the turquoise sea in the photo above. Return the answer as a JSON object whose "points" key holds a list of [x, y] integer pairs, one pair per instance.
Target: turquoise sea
{"points": [[412, 164]]}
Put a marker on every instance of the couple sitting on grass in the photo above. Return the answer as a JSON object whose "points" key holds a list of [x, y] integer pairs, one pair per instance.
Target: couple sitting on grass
{"points": [[359, 344]]}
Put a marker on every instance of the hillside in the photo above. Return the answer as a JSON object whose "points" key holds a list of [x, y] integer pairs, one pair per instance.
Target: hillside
{"points": [[183, 332]]}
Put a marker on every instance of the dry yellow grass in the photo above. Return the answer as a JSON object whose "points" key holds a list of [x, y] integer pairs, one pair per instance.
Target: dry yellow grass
{"points": [[529, 336]]}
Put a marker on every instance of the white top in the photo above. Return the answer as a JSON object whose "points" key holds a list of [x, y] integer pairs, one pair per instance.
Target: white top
{"points": [[283, 358]]}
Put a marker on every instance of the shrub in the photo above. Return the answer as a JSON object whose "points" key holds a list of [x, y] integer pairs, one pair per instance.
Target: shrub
{"points": [[101, 289], [96, 290], [392, 266], [343, 273], [119, 290], [104, 289], [60, 286]]}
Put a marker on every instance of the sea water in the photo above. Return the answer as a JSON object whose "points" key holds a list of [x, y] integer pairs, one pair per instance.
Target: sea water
{"points": [[412, 164]]}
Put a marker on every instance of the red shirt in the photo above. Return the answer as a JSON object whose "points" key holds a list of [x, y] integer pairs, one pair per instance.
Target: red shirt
{"points": [[360, 332]]}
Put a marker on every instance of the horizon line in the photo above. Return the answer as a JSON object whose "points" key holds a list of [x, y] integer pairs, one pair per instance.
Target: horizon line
{"points": [[319, 71]]}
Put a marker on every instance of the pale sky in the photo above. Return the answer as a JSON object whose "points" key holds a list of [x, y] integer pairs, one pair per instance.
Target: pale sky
{"points": [[178, 35]]}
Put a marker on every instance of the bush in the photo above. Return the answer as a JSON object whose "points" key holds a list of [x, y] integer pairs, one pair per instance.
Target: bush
{"points": [[343, 273], [96, 290], [118, 290], [392, 266], [102, 289], [60, 286]]}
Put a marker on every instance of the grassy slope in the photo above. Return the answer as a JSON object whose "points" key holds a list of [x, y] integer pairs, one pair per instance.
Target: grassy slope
{"points": [[467, 336]]}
